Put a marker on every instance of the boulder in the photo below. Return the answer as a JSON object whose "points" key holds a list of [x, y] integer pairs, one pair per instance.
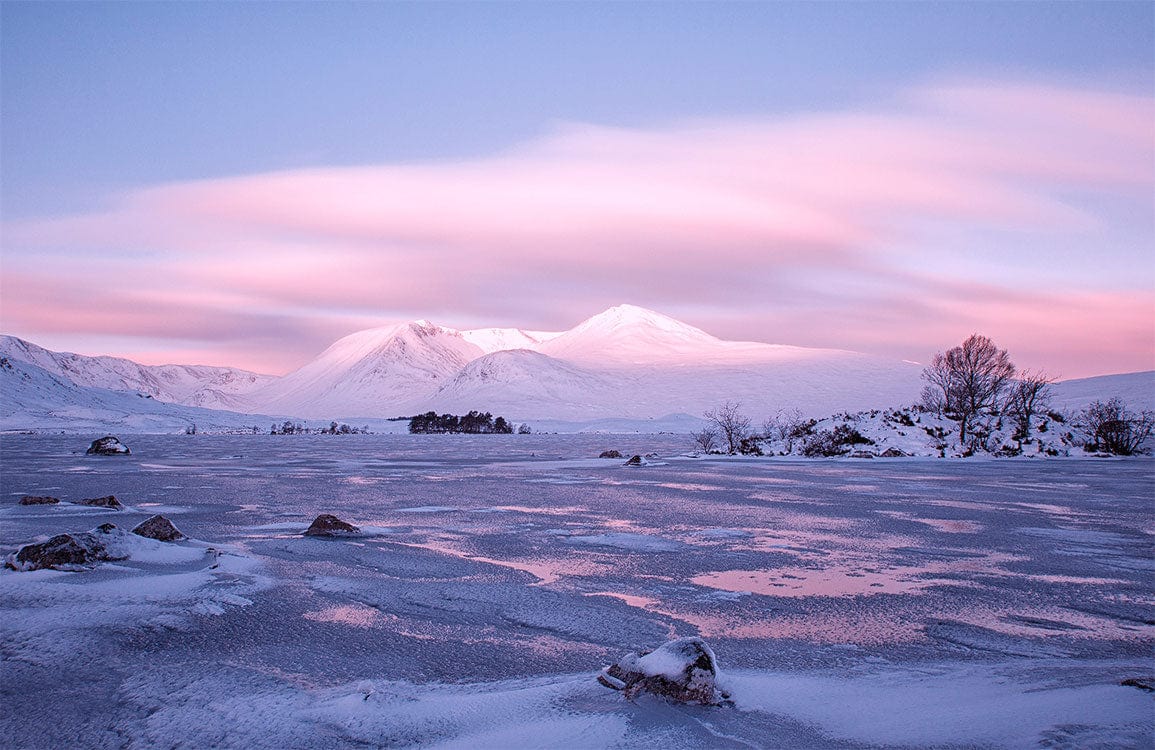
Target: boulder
{"points": [[610, 454], [684, 670], [329, 525], [159, 528], [39, 500], [67, 551], [637, 461], [108, 446], [109, 501], [862, 454], [892, 453], [1146, 684]]}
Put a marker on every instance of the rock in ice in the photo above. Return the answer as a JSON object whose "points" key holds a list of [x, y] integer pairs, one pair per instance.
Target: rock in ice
{"points": [[684, 670], [159, 528], [329, 525], [108, 446]]}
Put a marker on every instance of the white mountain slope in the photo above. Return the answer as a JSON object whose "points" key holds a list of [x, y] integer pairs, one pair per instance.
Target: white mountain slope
{"points": [[524, 382], [491, 340], [33, 398], [1137, 389], [625, 362], [191, 385], [381, 372]]}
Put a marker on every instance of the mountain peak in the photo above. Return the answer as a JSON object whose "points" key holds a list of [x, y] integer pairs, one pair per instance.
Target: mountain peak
{"points": [[628, 333], [632, 316]]}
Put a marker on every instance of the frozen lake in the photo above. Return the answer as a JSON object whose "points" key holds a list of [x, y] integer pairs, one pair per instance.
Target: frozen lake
{"points": [[851, 603]]}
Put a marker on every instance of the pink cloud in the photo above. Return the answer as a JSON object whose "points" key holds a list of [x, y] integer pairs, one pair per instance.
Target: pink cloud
{"points": [[794, 220]]}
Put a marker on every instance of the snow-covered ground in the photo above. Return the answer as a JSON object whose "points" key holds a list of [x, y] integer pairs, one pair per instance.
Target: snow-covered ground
{"points": [[903, 602]]}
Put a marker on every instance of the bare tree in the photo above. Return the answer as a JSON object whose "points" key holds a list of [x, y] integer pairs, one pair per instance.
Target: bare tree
{"points": [[733, 426], [972, 379], [1116, 429], [1029, 394], [939, 378], [786, 425], [706, 439]]}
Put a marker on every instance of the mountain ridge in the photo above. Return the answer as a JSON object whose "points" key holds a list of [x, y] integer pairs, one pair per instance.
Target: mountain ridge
{"points": [[626, 362]]}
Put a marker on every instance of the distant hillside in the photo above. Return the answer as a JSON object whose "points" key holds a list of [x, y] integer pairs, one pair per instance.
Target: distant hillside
{"points": [[33, 398]]}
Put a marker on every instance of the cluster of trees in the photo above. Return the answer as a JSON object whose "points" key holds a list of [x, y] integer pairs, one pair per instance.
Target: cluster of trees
{"points": [[474, 423], [1116, 429], [978, 379], [288, 427], [728, 430], [975, 384]]}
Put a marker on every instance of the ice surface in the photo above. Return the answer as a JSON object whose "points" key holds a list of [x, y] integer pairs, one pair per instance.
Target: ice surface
{"points": [[1012, 597]]}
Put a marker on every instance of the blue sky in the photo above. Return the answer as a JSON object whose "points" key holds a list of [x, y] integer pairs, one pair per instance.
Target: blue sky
{"points": [[104, 96], [982, 162]]}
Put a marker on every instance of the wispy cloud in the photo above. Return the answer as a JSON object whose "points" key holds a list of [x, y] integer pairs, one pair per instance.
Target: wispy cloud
{"points": [[768, 228]]}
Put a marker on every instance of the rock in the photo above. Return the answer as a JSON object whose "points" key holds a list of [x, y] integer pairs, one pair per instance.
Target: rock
{"points": [[637, 461], [159, 528], [108, 446], [684, 670], [861, 454], [67, 551], [329, 525], [1146, 684], [892, 453], [108, 501], [39, 500], [610, 454]]}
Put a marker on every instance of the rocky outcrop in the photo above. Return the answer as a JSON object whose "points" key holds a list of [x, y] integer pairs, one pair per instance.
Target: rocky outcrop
{"points": [[329, 525], [68, 551], [861, 454], [684, 670], [108, 446], [159, 528], [637, 461], [892, 453], [39, 500], [610, 454], [108, 501]]}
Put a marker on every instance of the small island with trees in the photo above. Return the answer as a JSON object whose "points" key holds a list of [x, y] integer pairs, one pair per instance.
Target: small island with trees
{"points": [[473, 423]]}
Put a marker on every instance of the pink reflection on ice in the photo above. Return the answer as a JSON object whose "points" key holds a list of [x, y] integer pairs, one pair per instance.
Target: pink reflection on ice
{"points": [[545, 571], [356, 615]]}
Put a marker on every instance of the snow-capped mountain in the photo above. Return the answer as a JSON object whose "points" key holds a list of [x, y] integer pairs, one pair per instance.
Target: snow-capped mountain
{"points": [[629, 335], [190, 385], [624, 363], [36, 398], [381, 372]]}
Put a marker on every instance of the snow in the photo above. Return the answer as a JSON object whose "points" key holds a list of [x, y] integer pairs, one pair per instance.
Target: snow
{"points": [[456, 628], [190, 385], [34, 398], [626, 369], [1137, 389], [668, 660]]}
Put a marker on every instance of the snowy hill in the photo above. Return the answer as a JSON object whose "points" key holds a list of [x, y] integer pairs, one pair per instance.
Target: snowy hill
{"points": [[381, 372], [33, 398], [1137, 389], [626, 362], [523, 382], [191, 385]]}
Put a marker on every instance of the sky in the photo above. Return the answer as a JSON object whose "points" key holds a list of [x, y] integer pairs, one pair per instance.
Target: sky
{"points": [[242, 183]]}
